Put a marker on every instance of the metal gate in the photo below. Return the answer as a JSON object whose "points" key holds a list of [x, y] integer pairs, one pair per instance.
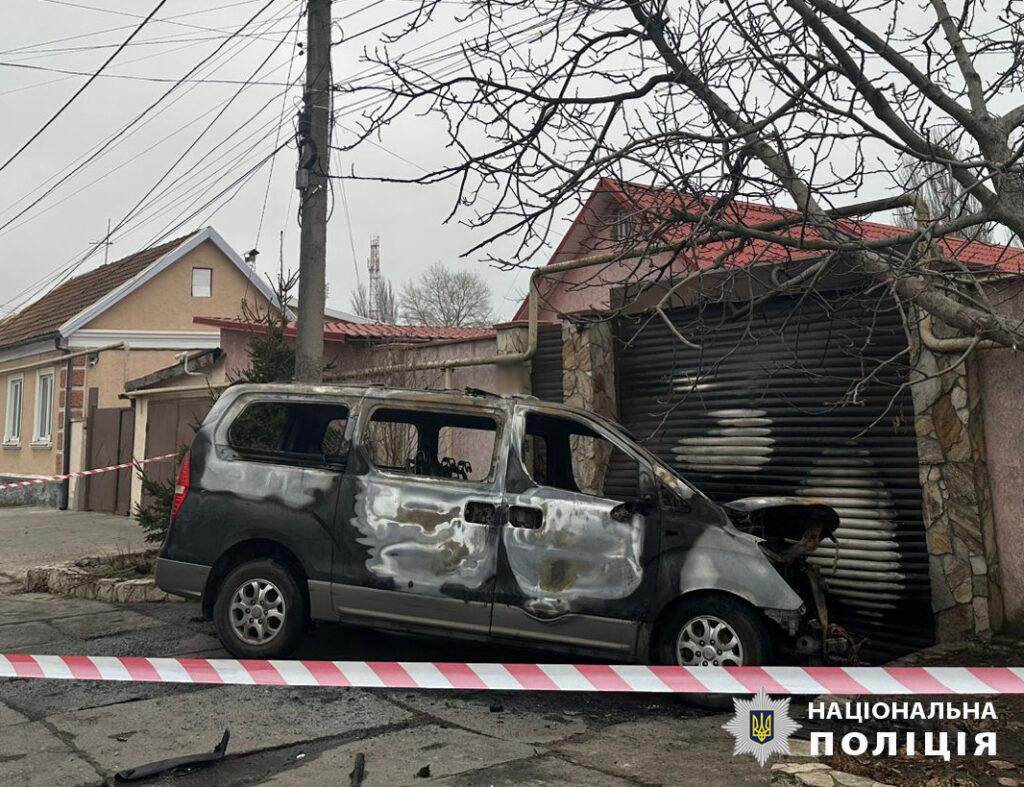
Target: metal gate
{"points": [[171, 424], [109, 437], [765, 408], [546, 367]]}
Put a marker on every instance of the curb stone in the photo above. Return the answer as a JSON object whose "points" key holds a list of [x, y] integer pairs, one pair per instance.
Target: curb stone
{"points": [[801, 768], [818, 774], [70, 579]]}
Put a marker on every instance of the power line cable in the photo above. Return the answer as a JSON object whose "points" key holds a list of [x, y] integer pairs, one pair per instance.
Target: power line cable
{"points": [[284, 108], [68, 268], [82, 89], [124, 129], [119, 28]]}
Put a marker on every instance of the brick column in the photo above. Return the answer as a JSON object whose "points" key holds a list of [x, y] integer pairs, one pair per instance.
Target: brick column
{"points": [[77, 404]]}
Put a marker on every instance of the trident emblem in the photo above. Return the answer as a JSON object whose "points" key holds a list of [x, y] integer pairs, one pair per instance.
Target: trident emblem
{"points": [[761, 725]]}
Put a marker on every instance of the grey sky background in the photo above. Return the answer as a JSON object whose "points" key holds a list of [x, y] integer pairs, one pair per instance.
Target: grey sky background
{"points": [[214, 182], [41, 38]]}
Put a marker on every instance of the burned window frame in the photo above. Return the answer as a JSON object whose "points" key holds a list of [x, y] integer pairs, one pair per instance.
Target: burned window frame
{"points": [[318, 461], [369, 407], [646, 474]]}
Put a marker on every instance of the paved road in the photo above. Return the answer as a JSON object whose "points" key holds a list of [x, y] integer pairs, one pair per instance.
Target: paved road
{"points": [[36, 536], [80, 733]]}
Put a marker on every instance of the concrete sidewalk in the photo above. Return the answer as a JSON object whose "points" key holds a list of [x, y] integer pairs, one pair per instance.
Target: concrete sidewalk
{"points": [[79, 733], [37, 536]]}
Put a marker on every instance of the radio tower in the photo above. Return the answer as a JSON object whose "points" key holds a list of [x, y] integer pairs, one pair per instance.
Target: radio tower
{"points": [[373, 285]]}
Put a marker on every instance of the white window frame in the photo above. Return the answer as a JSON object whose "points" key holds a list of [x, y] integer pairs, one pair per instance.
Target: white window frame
{"points": [[39, 437], [209, 293], [12, 438]]}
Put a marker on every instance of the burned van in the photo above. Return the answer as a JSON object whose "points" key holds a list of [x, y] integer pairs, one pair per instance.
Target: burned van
{"points": [[469, 514]]}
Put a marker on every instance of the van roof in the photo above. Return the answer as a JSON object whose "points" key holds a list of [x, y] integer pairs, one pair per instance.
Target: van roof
{"points": [[465, 396]]}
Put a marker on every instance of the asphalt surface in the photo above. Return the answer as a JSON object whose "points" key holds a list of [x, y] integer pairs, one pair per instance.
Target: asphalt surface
{"points": [[37, 536], [81, 733]]}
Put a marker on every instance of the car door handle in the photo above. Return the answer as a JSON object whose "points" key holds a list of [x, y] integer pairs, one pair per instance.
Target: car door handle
{"points": [[526, 517], [480, 512]]}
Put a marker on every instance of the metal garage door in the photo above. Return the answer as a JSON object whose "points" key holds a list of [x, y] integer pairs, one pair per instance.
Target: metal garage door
{"points": [[764, 409], [546, 367]]}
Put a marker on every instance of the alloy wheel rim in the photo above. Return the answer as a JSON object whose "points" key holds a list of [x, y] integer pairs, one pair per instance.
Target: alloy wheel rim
{"points": [[708, 641], [257, 611]]}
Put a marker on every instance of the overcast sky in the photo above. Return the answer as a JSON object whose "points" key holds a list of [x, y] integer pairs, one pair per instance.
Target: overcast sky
{"points": [[41, 39]]}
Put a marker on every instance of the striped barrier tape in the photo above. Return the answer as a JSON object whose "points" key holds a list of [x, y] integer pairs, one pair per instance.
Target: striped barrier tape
{"points": [[52, 478], [523, 677]]}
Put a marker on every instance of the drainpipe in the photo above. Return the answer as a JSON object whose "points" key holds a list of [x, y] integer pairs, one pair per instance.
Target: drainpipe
{"points": [[584, 262], [959, 344], [533, 309], [65, 465]]}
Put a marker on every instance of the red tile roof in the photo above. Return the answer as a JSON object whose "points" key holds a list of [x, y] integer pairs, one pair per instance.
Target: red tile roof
{"points": [[651, 206], [43, 317], [340, 330]]}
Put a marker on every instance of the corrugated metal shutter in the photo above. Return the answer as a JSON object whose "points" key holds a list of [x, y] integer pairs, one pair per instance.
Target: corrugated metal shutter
{"points": [[764, 409], [546, 369]]}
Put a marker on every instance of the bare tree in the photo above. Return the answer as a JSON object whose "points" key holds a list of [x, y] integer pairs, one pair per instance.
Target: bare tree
{"points": [[938, 192], [383, 306], [442, 296], [804, 105]]}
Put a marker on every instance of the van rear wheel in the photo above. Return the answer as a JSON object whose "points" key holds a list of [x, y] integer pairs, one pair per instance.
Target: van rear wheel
{"points": [[259, 612]]}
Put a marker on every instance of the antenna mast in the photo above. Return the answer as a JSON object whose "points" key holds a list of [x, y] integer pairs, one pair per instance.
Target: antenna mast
{"points": [[373, 294]]}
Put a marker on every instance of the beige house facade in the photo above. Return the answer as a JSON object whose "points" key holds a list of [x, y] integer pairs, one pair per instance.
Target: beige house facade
{"points": [[70, 352]]}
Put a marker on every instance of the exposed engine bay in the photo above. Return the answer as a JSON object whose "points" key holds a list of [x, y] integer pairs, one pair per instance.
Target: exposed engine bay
{"points": [[791, 529]]}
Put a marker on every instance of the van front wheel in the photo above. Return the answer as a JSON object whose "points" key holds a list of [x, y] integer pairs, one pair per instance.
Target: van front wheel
{"points": [[260, 612], [713, 631]]}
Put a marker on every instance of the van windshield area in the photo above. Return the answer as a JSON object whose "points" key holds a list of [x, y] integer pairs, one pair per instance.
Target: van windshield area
{"points": [[567, 454], [431, 444]]}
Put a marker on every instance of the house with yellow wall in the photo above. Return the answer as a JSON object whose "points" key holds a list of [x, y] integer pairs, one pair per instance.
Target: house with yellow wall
{"points": [[65, 358]]}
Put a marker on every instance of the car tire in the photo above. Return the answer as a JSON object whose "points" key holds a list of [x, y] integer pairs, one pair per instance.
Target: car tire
{"points": [[260, 612], [736, 636]]}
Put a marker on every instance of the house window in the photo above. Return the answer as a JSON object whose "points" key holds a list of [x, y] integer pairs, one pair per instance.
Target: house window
{"points": [[44, 408], [622, 227], [202, 282], [12, 425]]}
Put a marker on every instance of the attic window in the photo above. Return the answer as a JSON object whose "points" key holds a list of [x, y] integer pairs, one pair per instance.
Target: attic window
{"points": [[622, 226], [202, 282]]}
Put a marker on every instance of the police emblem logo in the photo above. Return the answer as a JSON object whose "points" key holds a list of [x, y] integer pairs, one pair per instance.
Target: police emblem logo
{"points": [[761, 726]]}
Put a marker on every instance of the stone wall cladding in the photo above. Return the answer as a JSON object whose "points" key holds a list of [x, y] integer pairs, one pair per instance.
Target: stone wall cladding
{"points": [[960, 527], [48, 495], [588, 382]]}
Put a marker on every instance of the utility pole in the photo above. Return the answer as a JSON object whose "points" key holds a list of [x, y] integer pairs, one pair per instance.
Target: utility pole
{"points": [[311, 180]]}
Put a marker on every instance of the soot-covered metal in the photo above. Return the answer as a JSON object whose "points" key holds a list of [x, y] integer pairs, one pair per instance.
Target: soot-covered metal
{"points": [[496, 516]]}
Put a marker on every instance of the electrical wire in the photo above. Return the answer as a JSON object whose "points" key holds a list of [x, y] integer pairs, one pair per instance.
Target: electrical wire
{"points": [[138, 118], [284, 108], [59, 275], [83, 88]]}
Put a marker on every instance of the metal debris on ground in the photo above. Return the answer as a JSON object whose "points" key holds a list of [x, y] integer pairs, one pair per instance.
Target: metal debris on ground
{"points": [[175, 763], [358, 771]]}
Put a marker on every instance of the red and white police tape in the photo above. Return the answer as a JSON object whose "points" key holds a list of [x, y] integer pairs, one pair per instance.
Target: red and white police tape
{"points": [[52, 478], [523, 677]]}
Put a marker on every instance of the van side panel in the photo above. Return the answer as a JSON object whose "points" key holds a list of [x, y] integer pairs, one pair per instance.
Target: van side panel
{"points": [[232, 500]]}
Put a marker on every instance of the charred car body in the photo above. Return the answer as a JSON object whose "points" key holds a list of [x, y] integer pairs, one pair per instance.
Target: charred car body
{"points": [[482, 516]]}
